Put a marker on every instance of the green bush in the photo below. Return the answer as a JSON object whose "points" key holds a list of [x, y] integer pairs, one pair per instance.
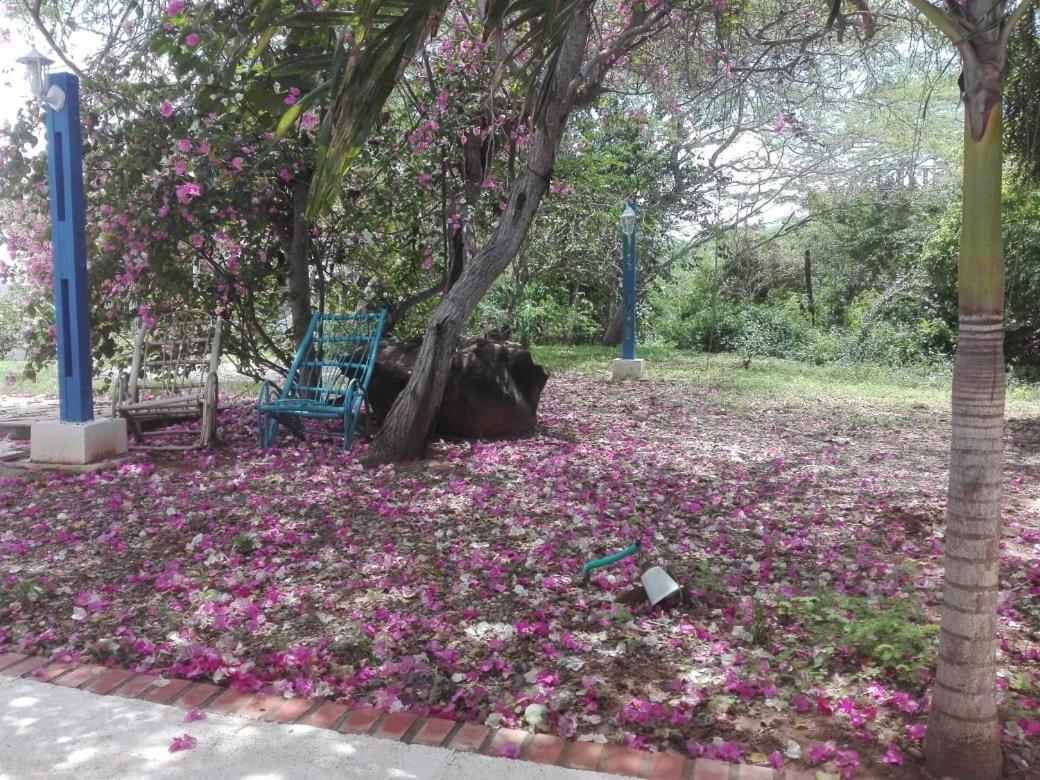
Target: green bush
{"points": [[778, 330], [687, 312], [892, 636], [895, 332], [542, 316], [12, 321]]}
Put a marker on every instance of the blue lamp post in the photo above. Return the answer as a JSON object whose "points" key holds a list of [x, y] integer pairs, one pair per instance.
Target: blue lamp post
{"points": [[628, 366], [76, 438], [628, 282], [60, 93]]}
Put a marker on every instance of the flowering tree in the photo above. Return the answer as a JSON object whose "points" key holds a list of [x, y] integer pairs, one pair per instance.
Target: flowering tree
{"points": [[571, 48]]}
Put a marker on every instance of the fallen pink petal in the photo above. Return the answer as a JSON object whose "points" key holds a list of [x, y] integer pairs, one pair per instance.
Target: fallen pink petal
{"points": [[184, 742]]}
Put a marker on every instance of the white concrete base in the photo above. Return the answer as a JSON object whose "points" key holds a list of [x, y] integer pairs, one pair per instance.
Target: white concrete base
{"points": [[627, 369], [77, 443]]}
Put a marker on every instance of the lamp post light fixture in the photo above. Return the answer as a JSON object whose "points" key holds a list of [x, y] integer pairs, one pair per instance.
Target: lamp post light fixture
{"points": [[77, 438], [37, 65], [628, 366]]}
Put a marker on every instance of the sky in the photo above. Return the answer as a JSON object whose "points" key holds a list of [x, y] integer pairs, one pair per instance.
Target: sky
{"points": [[14, 86]]}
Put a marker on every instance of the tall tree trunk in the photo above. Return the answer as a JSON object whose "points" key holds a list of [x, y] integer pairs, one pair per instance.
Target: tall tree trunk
{"points": [[299, 261], [963, 739], [410, 421]]}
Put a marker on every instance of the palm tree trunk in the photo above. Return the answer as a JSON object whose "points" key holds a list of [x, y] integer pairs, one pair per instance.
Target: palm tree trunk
{"points": [[963, 730], [411, 418]]}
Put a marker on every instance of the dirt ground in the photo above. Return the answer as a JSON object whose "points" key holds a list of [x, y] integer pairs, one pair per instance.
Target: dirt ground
{"points": [[807, 536]]}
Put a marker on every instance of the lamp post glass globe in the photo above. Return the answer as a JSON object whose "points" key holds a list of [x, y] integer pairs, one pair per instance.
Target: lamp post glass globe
{"points": [[37, 65], [628, 220]]}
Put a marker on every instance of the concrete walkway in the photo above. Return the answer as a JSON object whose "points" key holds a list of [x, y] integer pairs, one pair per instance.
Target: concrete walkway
{"points": [[47, 731]]}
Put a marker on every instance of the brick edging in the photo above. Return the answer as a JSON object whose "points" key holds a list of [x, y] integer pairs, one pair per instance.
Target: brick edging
{"points": [[401, 726]]}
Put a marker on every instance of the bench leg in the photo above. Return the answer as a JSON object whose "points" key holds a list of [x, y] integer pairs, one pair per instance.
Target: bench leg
{"points": [[351, 414], [136, 430], [268, 430]]}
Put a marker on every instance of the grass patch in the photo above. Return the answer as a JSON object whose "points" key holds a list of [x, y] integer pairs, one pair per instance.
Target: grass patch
{"points": [[13, 380], [850, 383], [878, 387]]}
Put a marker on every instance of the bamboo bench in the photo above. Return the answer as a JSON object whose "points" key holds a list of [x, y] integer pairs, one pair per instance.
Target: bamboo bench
{"points": [[172, 378]]}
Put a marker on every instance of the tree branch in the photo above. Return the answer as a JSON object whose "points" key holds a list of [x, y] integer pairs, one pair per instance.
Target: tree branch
{"points": [[1012, 20], [34, 12], [952, 27]]}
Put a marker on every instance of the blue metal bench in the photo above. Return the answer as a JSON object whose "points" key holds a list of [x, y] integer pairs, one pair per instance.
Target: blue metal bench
{"points": [[329, 376]]}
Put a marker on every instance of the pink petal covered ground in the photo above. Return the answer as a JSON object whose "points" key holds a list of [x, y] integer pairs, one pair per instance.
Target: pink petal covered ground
{"points": [[452, 586]]}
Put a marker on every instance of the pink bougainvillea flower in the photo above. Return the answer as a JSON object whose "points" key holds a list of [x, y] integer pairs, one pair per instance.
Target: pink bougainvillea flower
{"points": [[776, 759], [694, 748], [847, 761], [509, 751], [727, 751], [892, 755], [183, 742], [91, 602], [237, 163], [1031, 728], [184, 145], [191, 40], [187, 191], [801, 703], [916, 731], [166, 109], [65, 656], [175, 7], [194, 714], [904, 701], [822, 752]]}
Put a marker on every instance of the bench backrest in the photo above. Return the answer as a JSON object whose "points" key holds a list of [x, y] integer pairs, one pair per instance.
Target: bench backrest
{"points": [[173, 355], [338, 349]]}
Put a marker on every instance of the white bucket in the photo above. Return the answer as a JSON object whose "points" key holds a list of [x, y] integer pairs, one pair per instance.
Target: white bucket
{"points": [[658, 585]]}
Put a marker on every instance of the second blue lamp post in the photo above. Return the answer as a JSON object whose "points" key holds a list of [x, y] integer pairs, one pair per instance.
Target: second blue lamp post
{"points": [[628, 366], [628, 283]]}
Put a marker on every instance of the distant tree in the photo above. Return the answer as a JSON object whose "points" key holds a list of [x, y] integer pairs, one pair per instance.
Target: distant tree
{"points": [[1022, 96]]}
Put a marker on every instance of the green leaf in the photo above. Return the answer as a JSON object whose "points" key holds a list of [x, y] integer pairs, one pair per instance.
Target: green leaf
{"points": [[317, 19], [299, 107]]}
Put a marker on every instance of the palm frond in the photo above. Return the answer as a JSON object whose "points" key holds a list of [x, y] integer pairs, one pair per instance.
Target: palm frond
{"points": [[383, 43]]}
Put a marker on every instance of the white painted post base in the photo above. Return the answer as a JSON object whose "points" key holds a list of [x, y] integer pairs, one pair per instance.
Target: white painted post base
{"points": [[627, 369], [77, 443]]}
